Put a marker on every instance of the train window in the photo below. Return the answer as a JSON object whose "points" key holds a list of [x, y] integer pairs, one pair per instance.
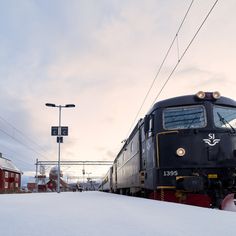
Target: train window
{"points": [[225, 117], [151, 124], [148, 125], [151, 120], [187, 117]]}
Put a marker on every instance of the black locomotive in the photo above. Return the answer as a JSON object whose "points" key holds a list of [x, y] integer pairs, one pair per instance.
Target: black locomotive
{"points": [[184, 150]]}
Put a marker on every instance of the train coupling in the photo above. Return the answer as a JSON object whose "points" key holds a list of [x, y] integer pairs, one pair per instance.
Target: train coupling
{"points": [[190, 183]]}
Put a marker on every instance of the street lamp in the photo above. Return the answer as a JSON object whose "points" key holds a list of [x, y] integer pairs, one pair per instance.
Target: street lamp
{"points": [[59, 139]]}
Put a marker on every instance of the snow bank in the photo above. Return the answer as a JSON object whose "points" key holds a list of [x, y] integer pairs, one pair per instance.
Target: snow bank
{"points": [[95, 213]]}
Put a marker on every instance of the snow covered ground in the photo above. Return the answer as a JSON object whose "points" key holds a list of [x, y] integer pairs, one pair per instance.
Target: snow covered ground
{"points": [[95, 213]]}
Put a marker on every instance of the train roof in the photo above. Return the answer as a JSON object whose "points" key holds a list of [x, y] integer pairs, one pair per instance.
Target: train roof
{"points": [[191, 99]]}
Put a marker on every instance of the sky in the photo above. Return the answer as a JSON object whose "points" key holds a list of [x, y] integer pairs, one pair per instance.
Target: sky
{"points": [[101, 56]]}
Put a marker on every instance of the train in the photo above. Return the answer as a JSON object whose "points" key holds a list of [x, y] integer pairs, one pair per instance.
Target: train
{"points": [[183, 151]]}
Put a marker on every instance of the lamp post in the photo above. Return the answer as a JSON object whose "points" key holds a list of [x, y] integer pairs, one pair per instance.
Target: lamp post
{"points": [[59, 139]]}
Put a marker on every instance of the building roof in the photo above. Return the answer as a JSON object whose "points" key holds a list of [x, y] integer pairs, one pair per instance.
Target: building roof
{"points": [[6, 164]]}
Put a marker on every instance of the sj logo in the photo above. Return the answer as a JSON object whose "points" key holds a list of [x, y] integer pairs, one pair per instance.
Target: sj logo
{"points": [[211, 140]]}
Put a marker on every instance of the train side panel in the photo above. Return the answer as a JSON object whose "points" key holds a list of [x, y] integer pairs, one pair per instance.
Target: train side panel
{"points": [[106, 185], [128, 165]]}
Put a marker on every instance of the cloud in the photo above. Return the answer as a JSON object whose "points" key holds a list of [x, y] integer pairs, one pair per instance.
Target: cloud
{"points": [[201, 77], [111, 154], [103, 57]]}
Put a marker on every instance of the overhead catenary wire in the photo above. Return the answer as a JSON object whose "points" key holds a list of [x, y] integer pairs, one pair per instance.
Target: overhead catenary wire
{"points": [[179, 59], [30, 142], [9, 154], [23, 144], [29, 165], [186, 49], [161, 65], [21, 133]]}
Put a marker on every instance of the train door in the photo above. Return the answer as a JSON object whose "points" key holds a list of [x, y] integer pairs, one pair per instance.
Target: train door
{"points": [[143, 156], [143, 153], [114, 178], [150, 167]]}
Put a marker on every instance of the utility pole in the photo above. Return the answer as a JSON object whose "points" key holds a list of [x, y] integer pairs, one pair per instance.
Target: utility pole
{"points": [[59, 153]]}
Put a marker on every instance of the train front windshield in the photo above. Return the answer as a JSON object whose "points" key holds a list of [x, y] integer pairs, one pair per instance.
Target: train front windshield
{"points": [[187, 117], [225, 117]]}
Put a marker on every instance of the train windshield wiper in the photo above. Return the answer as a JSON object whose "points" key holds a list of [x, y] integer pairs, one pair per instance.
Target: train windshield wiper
{"points": [[225, 122], [192, 121]]}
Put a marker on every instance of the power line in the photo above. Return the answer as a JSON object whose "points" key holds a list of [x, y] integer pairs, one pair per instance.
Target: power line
{"points": [[20, 132], [15, 158], [29, 140], [160, 67], [29, 148], [186, 49]]}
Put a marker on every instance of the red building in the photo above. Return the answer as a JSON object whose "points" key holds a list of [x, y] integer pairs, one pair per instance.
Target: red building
{"points": [[10, 176], [39, 184]]}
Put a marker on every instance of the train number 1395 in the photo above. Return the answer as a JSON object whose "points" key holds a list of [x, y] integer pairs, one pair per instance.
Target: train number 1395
{"points": [[170, 173]]}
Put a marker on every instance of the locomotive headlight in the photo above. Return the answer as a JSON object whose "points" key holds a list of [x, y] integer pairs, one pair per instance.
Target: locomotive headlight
{"points": [[216, 95], [180, 152], [201, 95]]}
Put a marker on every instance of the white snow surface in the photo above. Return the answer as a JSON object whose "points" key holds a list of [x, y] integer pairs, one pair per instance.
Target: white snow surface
{"points": [[96, 213]]}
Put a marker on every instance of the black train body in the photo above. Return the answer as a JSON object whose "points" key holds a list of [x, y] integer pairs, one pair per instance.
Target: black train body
{"points": [[184, 150]]}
